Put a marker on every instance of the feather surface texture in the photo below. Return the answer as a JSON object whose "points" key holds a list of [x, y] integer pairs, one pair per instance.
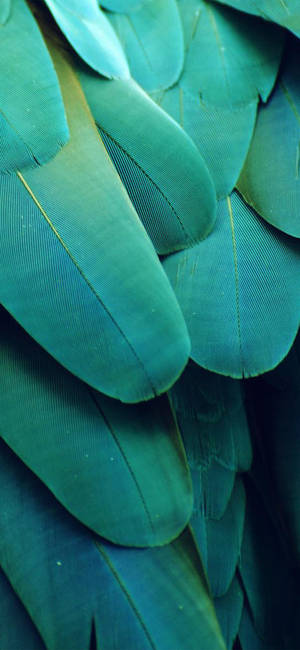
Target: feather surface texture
{"points": [[149, 325]]}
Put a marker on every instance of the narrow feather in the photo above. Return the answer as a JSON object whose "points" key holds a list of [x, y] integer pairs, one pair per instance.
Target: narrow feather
{"points": [[91, 35], [270, 178], [33, 125], [80, 274], [238, 293], [224, 540], [249, 638], [229, 610], [120, 469], [152, 39], [68, 579], [164, 174]]}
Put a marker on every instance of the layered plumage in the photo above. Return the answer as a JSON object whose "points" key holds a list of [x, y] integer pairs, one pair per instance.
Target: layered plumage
{"points": [[149, 462]]}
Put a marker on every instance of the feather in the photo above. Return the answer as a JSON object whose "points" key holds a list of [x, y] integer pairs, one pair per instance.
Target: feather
{"points": [[85, 280], [90, 33], [270, 178], [152, 39], [119, 469], [224, 540], [15, 624], [165, 176], [33, 126], [229, 609], [238, 293], [225, 71], [284, 12], [78, 580]]}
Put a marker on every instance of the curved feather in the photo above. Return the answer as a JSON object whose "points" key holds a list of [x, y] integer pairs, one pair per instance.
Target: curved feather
{"points": [[85, 280], [284, 12], [164, 175], [33, 126], [224, 540], [238, 293], [225, 71], [91, 35], [152, 39], [83, 582], [15, 624], [249, 638], [229, 609], [119, 469], [269, 181]]}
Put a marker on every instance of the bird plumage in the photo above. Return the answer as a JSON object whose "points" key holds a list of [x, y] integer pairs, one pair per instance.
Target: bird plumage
{"points": [[149, 458]]}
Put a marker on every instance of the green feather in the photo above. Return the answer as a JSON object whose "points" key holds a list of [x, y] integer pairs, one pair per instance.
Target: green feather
{"points": [[90, 33], [153, 42], [72, 582], [283, 12], [270, 178], [249, 639], [166, 178], [79, 273], [238, 293], [224, 540], [119, 469], [33, 125], [15, 624], [225, 71], [229, 610]]}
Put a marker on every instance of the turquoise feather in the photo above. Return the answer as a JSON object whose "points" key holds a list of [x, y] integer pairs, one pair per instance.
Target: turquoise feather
{"points": [[84, 271], [91, 35], [33, 126], [164, 174]]}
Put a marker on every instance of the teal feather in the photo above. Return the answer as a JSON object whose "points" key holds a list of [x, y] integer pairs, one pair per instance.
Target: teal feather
{"points": [[33, 126], [270, 177], [82, 245], [165, 176], [224, 73], [15, 624], [238, 293], [91, 35], [84, 582], [285, 12], [229, 609], [152, 39], [102, 459]]}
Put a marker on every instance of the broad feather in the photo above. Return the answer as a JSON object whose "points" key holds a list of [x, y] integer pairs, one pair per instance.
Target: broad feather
{"points": [[87, 283]]}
